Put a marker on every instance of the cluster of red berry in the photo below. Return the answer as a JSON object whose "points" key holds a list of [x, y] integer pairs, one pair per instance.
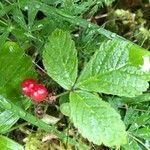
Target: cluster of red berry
{"points": [[37, 92]]}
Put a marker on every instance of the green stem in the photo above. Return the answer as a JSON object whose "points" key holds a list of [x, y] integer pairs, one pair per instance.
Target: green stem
{"points": [[2, 22], [49, 11], [136, 139], [18, 126], [9, 105], [64, 93], [117, 148]]}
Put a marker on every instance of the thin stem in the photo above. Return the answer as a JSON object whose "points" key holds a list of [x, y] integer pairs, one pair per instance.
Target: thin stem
{"points": [[18, 126], [136, 139], [49, 11], [75, 20], [134, 109], [9, 105], [39, 67], [3, 22], [8, 2], [64, 93], [101, 16], [118, 148]]}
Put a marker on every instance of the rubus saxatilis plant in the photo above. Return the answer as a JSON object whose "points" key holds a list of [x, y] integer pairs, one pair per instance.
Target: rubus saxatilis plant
{"points": [[116, 68], [16, 67]]}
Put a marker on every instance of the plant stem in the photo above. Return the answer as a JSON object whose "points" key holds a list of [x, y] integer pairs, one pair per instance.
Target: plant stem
{"points": [[122, 107], [49, 11], [18, 126], [117, 148], [3, 22], [61, 94], [136, 139], [9, 105]]}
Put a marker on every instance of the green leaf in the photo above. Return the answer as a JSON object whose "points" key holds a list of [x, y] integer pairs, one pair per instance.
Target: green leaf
{"points": [[5, 9], [76, 8], [19, 18], [3, 38], [60, 58], [119, 68], [20, 112], [14, 68], [64, 99], [130, 116], [138, 99], [143, 133], [106, 2], [64, 104], [32, 11], [8, 119], [131, 145], [143, 118], [8, 144], [65, 109], [96, 120]]}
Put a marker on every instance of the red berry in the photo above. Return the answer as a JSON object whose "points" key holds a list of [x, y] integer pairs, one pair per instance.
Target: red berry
{"points": [[39, 93], [27, 86]]}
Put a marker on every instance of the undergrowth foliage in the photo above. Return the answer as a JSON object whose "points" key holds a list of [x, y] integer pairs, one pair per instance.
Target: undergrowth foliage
{"points": [[111, 70], [103, 75]]}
